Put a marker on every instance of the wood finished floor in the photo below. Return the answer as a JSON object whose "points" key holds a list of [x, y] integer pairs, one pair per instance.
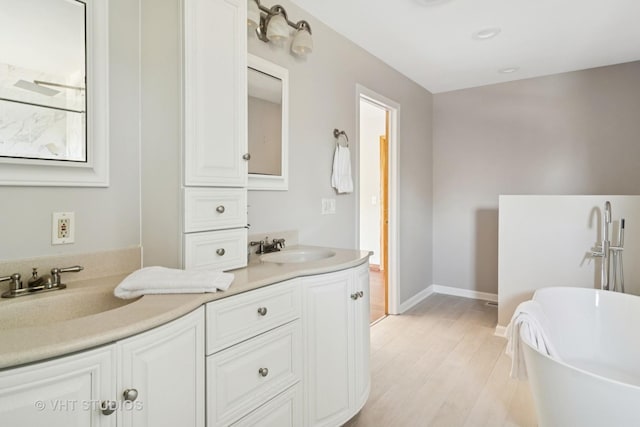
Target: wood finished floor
{"points": [[376, 295], [441, 365]]}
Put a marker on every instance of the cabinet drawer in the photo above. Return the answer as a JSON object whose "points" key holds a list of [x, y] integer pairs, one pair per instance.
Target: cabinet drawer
{"points": [[245, 376], [284, 410], [214, 208], [232, 320], [223, 250]]}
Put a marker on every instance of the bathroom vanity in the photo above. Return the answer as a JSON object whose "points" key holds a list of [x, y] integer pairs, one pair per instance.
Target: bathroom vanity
{"points": [[287, 344]]}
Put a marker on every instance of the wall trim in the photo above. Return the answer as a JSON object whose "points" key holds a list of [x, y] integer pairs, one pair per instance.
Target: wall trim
{"points": [[465, 293], [501, 331], [416, 299]]}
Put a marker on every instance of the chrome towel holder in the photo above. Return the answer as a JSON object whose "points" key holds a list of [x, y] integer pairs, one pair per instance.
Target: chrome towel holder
{"points": [[337, 133]]}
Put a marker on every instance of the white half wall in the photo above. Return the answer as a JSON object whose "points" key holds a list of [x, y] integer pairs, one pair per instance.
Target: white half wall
{"points": [[546, 240]]}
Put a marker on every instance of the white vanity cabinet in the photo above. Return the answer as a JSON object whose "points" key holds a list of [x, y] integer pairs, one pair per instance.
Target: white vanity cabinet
{"points": [[336, 345], [163, 368], [254, 357], [60, 393], [215, 134]]}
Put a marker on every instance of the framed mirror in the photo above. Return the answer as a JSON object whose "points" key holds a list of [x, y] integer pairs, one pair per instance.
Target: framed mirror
{"points": [[54, 92], [268, 124]]}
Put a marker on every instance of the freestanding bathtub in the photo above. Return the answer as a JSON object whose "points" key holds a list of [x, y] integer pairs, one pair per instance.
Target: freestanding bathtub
{"points": [[596, 382]]}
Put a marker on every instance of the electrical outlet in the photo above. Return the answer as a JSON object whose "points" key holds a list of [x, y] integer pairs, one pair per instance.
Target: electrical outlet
{"points": [[328, 207], [62, 228]]}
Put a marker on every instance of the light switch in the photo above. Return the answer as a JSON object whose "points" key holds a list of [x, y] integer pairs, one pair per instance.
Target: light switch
{"points": [[328, 207]]}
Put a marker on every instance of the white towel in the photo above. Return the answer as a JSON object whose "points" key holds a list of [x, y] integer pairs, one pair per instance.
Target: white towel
{"points": [[161, 280], [341, 176], [529, 323]]}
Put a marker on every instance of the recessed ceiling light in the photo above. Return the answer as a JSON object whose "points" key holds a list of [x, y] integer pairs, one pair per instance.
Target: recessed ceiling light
{"points": [[486, 33], [508, 70], [431, 2]]}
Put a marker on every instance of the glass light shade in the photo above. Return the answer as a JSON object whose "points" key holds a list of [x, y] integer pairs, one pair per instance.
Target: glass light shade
{"points": [[253, 14], [302, 43], [277, 29]]}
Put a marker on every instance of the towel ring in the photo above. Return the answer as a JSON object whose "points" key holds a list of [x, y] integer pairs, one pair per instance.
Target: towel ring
{"points": [[337, 133]]}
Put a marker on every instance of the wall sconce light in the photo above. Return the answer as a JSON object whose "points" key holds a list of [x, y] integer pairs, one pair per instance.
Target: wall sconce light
{"points": [[272, 25]]}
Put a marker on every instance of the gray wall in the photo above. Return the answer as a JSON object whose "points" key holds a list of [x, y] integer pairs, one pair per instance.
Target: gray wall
{"points": [[161, 132], [573, 133], [323, 97], [106, 218]]}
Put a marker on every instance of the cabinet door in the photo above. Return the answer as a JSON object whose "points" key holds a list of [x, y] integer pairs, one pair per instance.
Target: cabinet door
{"points": [[328, 334], [166, 368], [59, 393], [215, 72], [362, 335]]}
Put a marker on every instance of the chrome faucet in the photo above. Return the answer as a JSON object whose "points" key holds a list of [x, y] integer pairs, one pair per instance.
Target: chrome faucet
{"points": [[37, 284], [264, 247], [606, 251]]}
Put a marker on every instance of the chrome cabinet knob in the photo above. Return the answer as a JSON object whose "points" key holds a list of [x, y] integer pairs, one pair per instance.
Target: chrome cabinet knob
{"points": [[360, 294], [262, 311], [355, 296], [247, 156], [220, 251], [263, 372], [130, 394], [108, 407], [220, 209]]}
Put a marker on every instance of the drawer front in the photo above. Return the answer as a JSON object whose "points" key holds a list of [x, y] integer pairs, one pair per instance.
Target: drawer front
{"points": [[232, 320], [222, 250], [214, 208], [245, 376], [284, 410]]}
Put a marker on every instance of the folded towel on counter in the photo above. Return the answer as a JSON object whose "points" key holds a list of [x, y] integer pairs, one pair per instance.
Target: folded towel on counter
{"points": [[162, 280], [341, 176], [528, 323]]}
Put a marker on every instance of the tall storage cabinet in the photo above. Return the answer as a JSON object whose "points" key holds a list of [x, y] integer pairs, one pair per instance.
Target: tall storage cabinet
{"points": [[194, 133], [215, 133]]}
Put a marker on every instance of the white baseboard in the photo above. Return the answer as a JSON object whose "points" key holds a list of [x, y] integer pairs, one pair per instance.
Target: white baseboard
{"points": [[446, 290], [466, 293], [501, 331], [416, 299]]}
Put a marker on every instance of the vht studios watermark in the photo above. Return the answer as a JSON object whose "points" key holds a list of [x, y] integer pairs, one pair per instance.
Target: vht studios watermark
{"points": [[70, 405]]}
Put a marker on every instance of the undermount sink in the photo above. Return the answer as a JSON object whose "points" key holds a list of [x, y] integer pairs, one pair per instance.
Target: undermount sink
{"points": [[58, 306], [297, 256]]}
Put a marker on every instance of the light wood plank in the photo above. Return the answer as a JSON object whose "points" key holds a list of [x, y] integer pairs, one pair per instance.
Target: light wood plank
{"points": [[441, 365]]}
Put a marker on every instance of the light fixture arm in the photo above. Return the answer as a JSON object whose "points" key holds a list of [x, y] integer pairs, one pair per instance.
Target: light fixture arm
{"points": [[268, 13]]}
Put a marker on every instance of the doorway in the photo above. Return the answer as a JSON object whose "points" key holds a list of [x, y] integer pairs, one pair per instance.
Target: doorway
{"points": [[377, 206]]}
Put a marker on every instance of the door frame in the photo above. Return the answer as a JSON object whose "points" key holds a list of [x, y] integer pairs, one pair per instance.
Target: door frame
{"points": [[393, 278]]}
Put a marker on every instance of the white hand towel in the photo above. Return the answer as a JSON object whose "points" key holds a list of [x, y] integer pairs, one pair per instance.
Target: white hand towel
{"points": [[341, 176], [528, 323], [161, 280]]}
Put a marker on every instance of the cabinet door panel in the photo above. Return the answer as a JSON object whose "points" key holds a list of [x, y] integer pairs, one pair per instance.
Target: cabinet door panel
{"points": [[59, 393], [166, 367], [214, 208], [328, 349], [232, 320], [223, 250], [284, 410], [215, 92], [362, 335], [236, 380]]}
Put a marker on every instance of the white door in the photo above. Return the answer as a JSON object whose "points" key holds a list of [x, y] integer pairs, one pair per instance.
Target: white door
{"points": [[215, 38], [362, 334], [164, 370], [328, 334], [60, 393]]}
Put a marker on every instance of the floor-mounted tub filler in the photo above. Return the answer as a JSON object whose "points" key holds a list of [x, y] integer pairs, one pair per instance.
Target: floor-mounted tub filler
{"points": [[612, 273], [592, 377]]}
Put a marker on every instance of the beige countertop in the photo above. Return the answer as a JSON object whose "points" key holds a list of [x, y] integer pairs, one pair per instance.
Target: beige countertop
{"points": [[48, 338]]}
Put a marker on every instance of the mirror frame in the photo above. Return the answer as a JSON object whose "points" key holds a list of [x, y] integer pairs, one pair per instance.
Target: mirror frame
{"points": [[95, 171], [273, 182]]}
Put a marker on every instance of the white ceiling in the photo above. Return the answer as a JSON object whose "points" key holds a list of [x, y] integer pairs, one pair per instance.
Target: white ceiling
{"points": [[433, 45]]}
